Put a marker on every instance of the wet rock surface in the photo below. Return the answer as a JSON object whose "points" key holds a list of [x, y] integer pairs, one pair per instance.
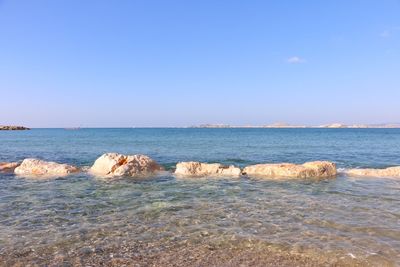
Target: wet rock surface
{"points": [[44, 169], [193, 168], [8, 167], [289, 170], [388, 172], [114, 164]]}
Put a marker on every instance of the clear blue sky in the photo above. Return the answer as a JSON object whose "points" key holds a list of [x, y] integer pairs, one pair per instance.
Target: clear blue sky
{"points": [[176, 63]]}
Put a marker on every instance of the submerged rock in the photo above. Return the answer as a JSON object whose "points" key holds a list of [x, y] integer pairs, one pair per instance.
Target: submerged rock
{"points": [[8, 166], [388, 172], [289, 170], [114, 164], [193, 168], [37, 167]]}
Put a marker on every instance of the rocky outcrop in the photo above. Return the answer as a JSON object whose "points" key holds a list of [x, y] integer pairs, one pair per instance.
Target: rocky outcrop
{"points": [[289, 170], [113, 164], [388, 172], [8, 166], [193, 168], [12, 128], [41, 168]]}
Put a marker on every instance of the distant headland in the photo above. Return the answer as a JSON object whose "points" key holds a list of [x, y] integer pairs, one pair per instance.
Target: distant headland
{"points": [[286, 125], [12, 128]]}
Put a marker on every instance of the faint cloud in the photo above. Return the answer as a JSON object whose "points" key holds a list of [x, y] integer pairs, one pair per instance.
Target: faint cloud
{"points": [[389, 32], [385, 34], [295, 60]]}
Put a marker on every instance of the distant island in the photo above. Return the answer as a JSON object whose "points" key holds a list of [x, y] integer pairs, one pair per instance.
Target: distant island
{"points": [[286, 125], [12, 128]]}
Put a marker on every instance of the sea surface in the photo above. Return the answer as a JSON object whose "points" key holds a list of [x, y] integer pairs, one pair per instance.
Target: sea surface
{"points": [[81, 220]]}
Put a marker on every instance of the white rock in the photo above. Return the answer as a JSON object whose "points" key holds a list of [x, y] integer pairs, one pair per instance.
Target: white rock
{"points": [[289, 170], [41, 168], [114, 164], [8, 166], [193, 168], [388, 172]]}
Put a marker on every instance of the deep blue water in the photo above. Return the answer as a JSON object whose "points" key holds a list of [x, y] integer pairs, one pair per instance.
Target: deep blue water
{"points": [[334, 220], [346, 147]]}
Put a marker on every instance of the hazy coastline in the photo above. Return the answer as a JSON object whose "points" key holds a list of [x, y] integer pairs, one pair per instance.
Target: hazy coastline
{"points": [[286, 125], [13, 128]]}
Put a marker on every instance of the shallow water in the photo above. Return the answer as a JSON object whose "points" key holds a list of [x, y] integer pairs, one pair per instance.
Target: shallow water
{"points": [[168, 221]]}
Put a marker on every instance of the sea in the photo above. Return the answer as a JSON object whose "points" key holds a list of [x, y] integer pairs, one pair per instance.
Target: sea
{"points": [[163, 220]]}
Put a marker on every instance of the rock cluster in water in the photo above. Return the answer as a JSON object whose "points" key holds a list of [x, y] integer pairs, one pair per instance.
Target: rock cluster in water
{"points": [[41, 168], [116, 165], [388, 172], [289, 170], [8, 166], [12, 128], [113, 164], [193, 168]]}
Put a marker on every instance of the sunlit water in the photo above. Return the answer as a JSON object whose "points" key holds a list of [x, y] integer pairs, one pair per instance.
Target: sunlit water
{"points": [[163, 220]]}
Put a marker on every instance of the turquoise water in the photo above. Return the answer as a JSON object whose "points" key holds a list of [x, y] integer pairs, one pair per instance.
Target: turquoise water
{"points": [[342, 221], [347, 147]]}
